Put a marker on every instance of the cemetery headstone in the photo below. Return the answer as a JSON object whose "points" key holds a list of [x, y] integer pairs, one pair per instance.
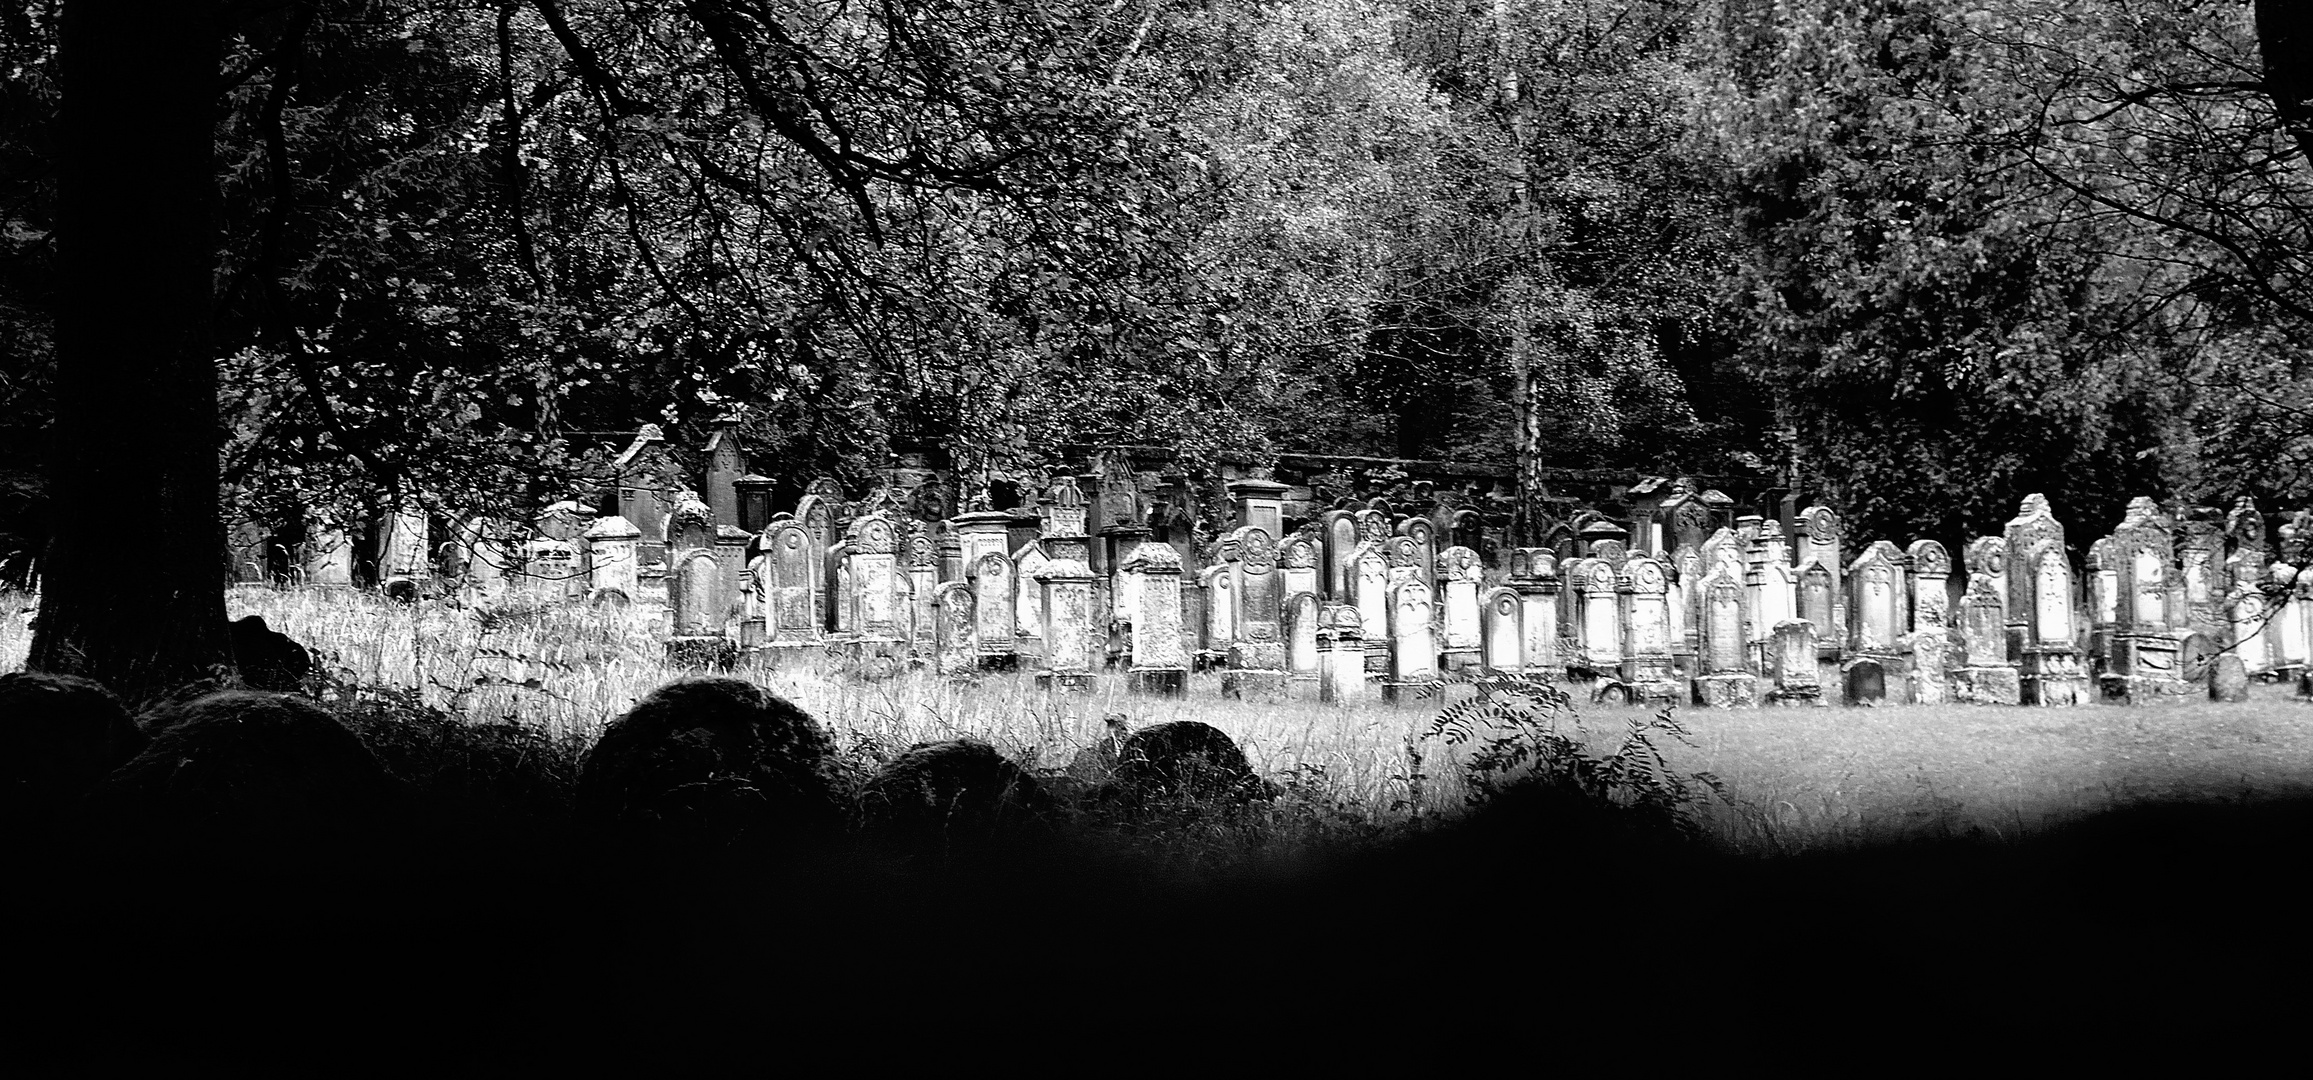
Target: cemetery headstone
{"points": [[957, 620], [1643, 590], [1159, 663], [1501, 639], [614, 546], [1342, 655], [1301, 647], [1726, 681], [1985, 675], [1413, 651], [1256, 670], [2228, 679], [1793, 668], [1458, 580]]}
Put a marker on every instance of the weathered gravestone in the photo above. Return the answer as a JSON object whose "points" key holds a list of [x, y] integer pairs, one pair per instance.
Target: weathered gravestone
{"points": [[1866, 681], [1726, 681], [1534, 577], [2247, 608], [1598, 605], [1159, 664], [1931, 575], [551, 571], [1256, 669], [1413, 650], [1927, 677], [792, 581], [2142, 664], [1220, 629], [614, 550], [1075, 632], [1458, 580], [1793, 668], [958, 629], [2041, 626], [404, 563], [1500, 638], [1369, 592], [1297, 563], [995, 613], [1985, 676], [1643, 588], [1301, 651], [2228, 679], [328, 556], [1341, 649]]}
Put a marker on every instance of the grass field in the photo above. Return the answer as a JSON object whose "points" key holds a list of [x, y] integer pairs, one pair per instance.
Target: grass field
{"points": [[1797, 779]]}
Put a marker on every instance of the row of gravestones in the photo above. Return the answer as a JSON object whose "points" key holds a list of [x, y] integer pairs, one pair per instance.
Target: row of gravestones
{"points": [[1732, 622], [2164, 597], [1752, 625]]}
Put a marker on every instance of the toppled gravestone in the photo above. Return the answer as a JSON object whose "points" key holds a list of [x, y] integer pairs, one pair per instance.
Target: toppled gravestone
{"points": [[1183, 763], [956, 793], [244, 765], [59, 736], [713, 760]]}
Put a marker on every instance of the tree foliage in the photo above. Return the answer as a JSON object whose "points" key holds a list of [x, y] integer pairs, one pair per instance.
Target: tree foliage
{"points": [[2031, 247], [1944, 254]]}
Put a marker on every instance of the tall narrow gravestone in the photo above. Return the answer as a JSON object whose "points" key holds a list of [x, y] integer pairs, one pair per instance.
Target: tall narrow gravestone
{"points": [[1931, 575], [1256, 669], [1984, 675], [1301, 646], [1338, 529], [1772, 583], [995, 613], [614, 543], [1726, 681], [1534, 577], [1159, 663], [871, 564], [1297, 563], [1600, 618], [1458, 579], [1341, 649], [1643, 587], [2041, 623], [1877, 619], [790, 586], [1500, 637], [2250, 615], [2143, 659], [1413, 649], [958, 650], [1369, 593]]}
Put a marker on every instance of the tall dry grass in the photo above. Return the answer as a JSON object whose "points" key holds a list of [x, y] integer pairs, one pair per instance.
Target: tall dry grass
{"points": [[1800, 779]]}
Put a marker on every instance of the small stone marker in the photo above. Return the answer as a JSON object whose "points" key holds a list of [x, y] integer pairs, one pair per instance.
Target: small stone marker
{"points": [[1866, 682], [2228, 679]]}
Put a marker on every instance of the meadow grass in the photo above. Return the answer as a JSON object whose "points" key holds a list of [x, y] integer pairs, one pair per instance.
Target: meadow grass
{"points": [[1797, 779]]}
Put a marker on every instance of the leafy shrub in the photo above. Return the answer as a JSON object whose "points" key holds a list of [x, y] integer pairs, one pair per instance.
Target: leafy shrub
{"points": [[1524, 735]]}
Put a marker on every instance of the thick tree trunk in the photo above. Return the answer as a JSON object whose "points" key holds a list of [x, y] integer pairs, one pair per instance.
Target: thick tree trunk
{"points": [[132, 586], [1517, 292], [2285, 37]]}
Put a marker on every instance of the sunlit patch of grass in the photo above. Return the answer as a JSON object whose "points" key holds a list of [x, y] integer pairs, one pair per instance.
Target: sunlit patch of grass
{"points": [[1799, 779]]}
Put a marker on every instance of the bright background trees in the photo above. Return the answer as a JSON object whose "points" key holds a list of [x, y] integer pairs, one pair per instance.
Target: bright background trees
{"points": [[1933, 254]]}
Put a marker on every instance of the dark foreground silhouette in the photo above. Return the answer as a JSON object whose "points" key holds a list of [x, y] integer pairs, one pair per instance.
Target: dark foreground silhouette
{"points": [[372, 916]]}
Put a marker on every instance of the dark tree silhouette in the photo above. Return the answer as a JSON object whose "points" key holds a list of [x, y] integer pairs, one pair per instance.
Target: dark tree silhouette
{"points": [[2285, 38], [132, 594]]}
